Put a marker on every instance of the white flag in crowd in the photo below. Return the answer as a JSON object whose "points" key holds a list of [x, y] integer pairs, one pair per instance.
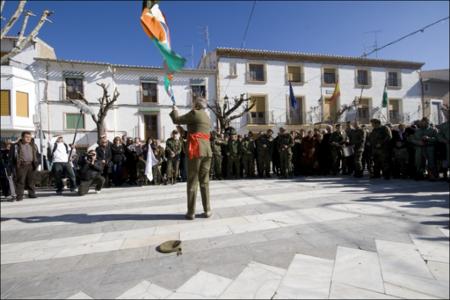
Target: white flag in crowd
{"points": [[151, 161]]}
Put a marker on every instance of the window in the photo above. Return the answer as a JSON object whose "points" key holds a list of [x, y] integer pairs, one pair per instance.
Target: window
{"points": [[296, 115], [72, 121], [329, 76], [256, 72], [233, 70], [151, 126], [425, 87], [393, 80], [5, 107], [364, 110], [258, 111], [295, 74], [362, 78], [394, 111], [74, 87], [22, 104], [198, 91], [149, 92]]}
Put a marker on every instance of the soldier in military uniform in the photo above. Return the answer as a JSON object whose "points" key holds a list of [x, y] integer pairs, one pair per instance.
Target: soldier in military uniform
{"points": [[248, 155], [216, 147], [173, 151], [424, 140], [357, 139], [337, 139], [379, 140], [158, 151], [199, 154], [284, 145], [444, 137], [348, 162], [233, 156], [264, 151]]}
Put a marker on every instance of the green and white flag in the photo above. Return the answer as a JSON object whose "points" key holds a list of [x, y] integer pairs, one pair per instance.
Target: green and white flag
{"points": [[384, 103]]}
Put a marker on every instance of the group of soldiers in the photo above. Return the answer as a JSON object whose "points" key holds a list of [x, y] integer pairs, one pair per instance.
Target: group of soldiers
{"points": [[416, 151]]}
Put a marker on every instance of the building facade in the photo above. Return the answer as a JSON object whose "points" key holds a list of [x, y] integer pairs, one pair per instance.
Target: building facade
{"points": [[435, 94], [265, 76]]}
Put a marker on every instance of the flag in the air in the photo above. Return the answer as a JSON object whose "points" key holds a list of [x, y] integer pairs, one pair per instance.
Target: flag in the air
{"points": [[336, 93], [384, 103], [150, 163], [155, 26], [292, 98]]}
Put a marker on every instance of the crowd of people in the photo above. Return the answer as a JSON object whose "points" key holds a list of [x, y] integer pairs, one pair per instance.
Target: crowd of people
{"points": [[417, 151]]}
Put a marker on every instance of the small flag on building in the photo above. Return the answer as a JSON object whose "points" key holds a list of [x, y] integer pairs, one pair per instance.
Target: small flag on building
{"points": [[150, 163], [336, 93], [384, 103], [293, 100]]}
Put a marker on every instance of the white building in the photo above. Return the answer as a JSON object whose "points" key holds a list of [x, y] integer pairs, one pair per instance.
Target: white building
{"points": [[142, 109], [265, 75], [18, 88]]}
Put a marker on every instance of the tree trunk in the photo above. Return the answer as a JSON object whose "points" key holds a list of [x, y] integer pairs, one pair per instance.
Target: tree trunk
{"points": [[100, 129]]}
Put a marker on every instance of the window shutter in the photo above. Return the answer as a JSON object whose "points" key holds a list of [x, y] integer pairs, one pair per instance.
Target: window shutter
{"points": [[22, 109], [5, 107]]}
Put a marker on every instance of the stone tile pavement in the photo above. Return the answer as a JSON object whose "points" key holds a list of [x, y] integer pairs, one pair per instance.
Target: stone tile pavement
{"points": [[322, 237]]}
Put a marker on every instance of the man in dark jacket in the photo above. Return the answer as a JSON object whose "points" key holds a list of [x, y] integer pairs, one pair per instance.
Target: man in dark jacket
{"points": [[104, 154], [90, 173], [25, 160]]}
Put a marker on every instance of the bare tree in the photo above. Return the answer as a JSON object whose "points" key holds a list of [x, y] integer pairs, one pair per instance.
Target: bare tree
{"points": [[22, 40], [106, 103], [224, 113]]}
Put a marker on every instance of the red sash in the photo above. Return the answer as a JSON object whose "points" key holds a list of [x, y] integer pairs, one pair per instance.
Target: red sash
{"points": [[194, 146]]}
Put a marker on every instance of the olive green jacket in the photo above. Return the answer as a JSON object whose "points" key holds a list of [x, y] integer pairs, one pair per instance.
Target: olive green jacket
{"points": [[196, 121]]}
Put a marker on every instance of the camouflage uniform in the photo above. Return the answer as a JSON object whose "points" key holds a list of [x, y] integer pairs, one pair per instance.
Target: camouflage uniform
{"points": [[233, 157], [159, 155], [248, 157], [379, 141], [173, 151], [424, 139], [216, 146], [337, 139], [357, 139], [284, 145], [264, 154]]}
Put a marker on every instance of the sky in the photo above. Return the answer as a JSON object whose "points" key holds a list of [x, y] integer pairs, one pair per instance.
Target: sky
{"points": [[110, 31]]}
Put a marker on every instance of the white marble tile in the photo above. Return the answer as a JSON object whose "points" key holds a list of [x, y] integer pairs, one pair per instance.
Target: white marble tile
{"points": [[203, 285], [205, 233], [358, 268], [145, 290], [431, 249], [440, 270], [404, 293], [420, 285], [250, 227], [444, 231], [307, 277], [256, 281], [343, 291], [401, 258], [80, 295]]}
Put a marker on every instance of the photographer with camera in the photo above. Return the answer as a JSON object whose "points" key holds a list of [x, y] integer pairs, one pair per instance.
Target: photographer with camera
{"points": [[90, 173]]}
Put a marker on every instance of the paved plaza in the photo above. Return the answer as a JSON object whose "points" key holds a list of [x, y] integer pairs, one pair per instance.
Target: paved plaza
{"points": [[321, 237]]}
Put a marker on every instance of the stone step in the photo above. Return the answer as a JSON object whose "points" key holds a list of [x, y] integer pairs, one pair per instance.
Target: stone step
{"points": [[358, 268], [256, 281], [307, 277], [343, 291], [401, 258], [145, 290], [80, 295], [432, 248], [202, 285]]}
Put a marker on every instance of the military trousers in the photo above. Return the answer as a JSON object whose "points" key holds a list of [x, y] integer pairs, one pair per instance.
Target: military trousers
{"points": [[264, 164], [400, 163], [173, 167], [335, 160], [217, 166], [424, 155], [357, 158], [233, 162], [248, 164], [285, 163], [198, 173], [381, 162]]}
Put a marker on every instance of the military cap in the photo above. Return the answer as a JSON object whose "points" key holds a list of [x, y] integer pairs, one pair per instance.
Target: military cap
{"points": [[170, 246]]}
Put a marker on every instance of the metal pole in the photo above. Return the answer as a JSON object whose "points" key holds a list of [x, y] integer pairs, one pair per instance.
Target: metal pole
{"points": [[75, 135]]}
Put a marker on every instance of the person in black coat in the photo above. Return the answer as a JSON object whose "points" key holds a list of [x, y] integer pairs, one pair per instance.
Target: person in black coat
{"points": [[104, 155], [118, 159], [90, 173]]}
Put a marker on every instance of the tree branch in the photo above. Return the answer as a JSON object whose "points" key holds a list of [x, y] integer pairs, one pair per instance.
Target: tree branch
{"points": [[24, 25], [33, 34], [13, 18], [2, 4], [244, 112], [236, 105]]}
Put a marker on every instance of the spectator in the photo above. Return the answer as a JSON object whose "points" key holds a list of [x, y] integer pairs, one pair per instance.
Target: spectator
{"points": [[61, 167], [90, 173]]}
